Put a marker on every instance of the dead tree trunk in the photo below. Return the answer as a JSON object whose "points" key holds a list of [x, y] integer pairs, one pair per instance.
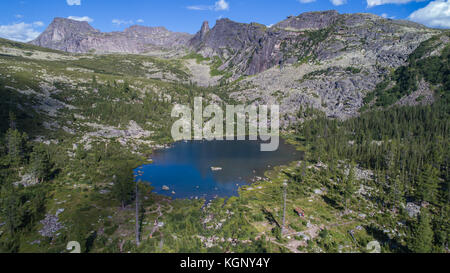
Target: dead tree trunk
{"points": [[137, 215]]}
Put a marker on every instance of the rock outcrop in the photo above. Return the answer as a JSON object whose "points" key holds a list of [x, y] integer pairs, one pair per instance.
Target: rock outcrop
{"points": [[310, 21], [79, 37], [200, 36], [314, 36]]}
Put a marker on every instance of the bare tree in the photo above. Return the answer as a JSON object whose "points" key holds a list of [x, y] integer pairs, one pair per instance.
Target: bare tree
{"points": [[283, 228], [137, 215]]}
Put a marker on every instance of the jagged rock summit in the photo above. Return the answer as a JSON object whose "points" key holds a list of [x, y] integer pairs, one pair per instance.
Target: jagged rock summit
{"points": [[313, 36], [309, 20], [201, 35], [79, 37], [65, 34]]}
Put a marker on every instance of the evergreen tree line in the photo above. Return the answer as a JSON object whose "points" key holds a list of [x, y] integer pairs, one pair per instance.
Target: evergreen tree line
{"points": [[406, 147]]}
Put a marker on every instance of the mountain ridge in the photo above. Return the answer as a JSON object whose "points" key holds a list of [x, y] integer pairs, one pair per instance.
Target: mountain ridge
{"points": [[79, 37], [324, 59], [242, 48]]}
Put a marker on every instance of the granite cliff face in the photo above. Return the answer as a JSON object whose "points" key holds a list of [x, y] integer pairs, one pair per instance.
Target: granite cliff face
{"points": [[315, 36], [79, 37], [197, 40]]}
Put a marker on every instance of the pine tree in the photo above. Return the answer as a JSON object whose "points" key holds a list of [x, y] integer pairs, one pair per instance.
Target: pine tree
{"points": [[15, 144], [40, 163], [94, 81], [422, 235], [442, 228], [428, 184], [123, 188], [398, 192], [11, 208], [349, 187], [126, 87], [12, 121]]}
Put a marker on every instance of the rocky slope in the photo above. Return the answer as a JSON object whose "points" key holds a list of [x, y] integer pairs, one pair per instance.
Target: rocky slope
{"points": [[315, 36], [326, 60]]}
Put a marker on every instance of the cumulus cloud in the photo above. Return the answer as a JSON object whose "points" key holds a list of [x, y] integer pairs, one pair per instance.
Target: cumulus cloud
{"points": [[198, 7], [306, 1], [220, 5], [140, 21], [373, 3], [74, 2], [81, 19], [338, 2], [435, 14], [21, 32]]}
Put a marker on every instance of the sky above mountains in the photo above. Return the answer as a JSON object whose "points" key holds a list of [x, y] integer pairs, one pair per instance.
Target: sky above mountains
{"points": [[24, 20]]}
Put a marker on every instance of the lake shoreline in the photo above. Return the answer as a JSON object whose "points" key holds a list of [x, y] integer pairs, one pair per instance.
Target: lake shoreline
{"points": [[209, 179]]}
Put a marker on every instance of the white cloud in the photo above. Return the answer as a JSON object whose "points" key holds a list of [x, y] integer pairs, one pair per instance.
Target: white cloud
{"points": [[220, 5], [435, 14], [18, 16], [198, 7], [140, 21], [373, 3], [81, 19], [21, 32], [306, 1], [385, 15], [119, 22], [74, 2], [338, 2]]}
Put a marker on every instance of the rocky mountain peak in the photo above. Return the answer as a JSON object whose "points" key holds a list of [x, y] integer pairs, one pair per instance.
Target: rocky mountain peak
{"points": [[234, 35], [61, 29], [205, 29], [226, 23], [146, 30], [71, 26], [201, 35], [80, 37], [253, 48], [310, 20]]}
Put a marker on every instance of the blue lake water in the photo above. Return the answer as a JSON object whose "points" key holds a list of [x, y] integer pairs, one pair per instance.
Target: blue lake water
{"points": [[185, 168]]}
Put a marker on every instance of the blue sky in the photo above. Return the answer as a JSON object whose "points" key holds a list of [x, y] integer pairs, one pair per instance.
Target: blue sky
{"points": [[23, 20]]}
